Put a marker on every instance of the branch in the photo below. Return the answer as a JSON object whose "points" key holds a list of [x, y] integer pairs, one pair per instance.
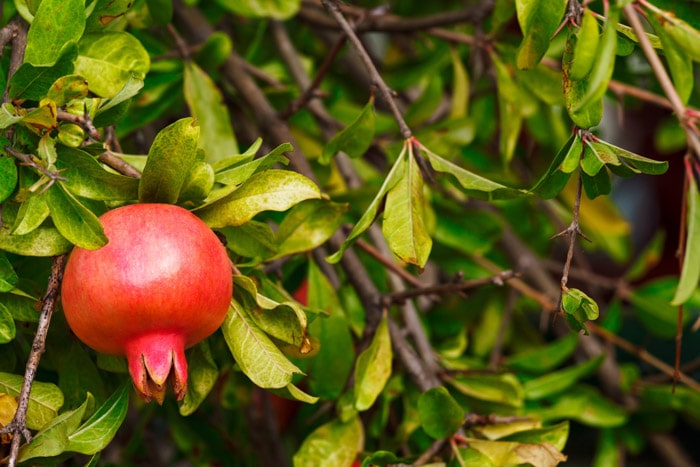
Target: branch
{"points": [[376, 78], [15, 33], [18, 426], [29, 160], [83, 121], [110, 159], [448, 288], [663, 77]]}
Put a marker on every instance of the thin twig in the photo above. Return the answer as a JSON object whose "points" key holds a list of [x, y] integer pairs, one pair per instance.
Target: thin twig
{"points": [[18, 426], [388, 263], [29, 160], [376, 78], [83, 121], [448, 288]]}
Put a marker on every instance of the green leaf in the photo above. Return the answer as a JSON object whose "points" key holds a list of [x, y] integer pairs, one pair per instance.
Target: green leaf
{"points": [[595, 157], [469, 182], [440, 415], [556, 435], [355, 139], [44, 399], [198, 184], [510, 114], [503, 389], [8, 175], [52, 440], [251, 240], [545, 358], [470, 457], [690, 275], [206, 105], [74, 221], [43, 241], [329, 368], [170, 159], [684, 35], [66, 89], [599, 77], [271, 190], [555, 178], [597, 185], [558, 381], [32, 213], [8, 276], [579, 308], [373, 368], [585, 45], [424, 107], [88, 179], [33, 82], [105, 12], [285, 321], [404, 224], [274, 9], [202, 375], [57, 24], [459, 107], [308, 225], [504, 453], [370, 214], [97, 431], [538, 20], [258, 357], [680, 63], [608, 152], [109, 60], [7, 325], [335, 443]]}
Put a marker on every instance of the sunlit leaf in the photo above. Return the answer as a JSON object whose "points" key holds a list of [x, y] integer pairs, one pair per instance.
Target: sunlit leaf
{"points": [[100, 428], [308, 225], [271, 190], [404, 223], [373, 368], [275, 9], [254, 352], [44, 400], [336, 443], [56, 25], [73, 220]]}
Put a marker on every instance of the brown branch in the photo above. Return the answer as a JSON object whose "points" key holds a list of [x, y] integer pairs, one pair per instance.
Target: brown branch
{"points": [[391, 23], [388, 263], [15, 33], [83, 121], [413, 364], [444, 289], [110, 159], [29, 160], [18, 426]]}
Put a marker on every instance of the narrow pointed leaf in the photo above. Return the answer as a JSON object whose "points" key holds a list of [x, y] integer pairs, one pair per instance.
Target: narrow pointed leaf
{"points": [[373, 368], [97, 431], [370, 214], [404, 217], [538, 20], [206, 105], [691, 266]]}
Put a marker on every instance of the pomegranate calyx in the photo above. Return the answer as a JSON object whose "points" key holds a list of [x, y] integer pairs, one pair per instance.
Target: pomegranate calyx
{"points": [[155, 361]]}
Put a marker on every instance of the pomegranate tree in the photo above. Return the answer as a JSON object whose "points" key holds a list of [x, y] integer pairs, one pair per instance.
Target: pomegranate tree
{"points": [[161, 284]]}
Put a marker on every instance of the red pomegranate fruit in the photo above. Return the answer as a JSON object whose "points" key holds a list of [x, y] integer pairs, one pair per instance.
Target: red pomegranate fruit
{"points": [[161, 284]]}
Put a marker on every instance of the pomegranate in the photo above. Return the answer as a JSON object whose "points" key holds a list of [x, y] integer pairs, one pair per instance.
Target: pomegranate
{"points": [[161, 284]]}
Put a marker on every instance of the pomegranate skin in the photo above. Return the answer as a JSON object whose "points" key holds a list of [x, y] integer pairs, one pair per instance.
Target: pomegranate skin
{"points": [[161, 284]]}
